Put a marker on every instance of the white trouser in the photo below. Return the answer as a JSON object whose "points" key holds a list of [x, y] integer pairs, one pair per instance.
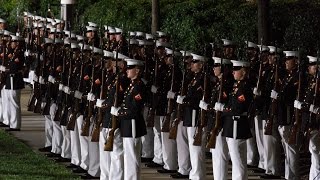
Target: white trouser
{"points": [[111, 162], [147, 140], [169, 150], [31, 77], [272, 151], [56, 131], [258, 128], [220, 158], [48, 130], [84, 145], [132, 159], [238, 154], [291, 154], [314, 148], [94, 161], [252, 150], [75, 146], [157, 148], [1, 107], [197, 155], [184, 163], [14, 108], [66, 143], [4, 100]]}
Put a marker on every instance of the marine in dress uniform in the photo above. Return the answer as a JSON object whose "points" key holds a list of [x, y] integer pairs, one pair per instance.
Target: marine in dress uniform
{"points": [[220, 156], [235, 125], [132, 125], [14, 82], [191, 117], [3, 48]]}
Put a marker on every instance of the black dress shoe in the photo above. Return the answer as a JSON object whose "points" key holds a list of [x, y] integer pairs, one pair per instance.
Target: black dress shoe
{"points": [[257, 170], [250, 166], [88, 176], [12, 129], [45, 149], [3, 125], [146, 160], [71, 166], [179, 176], [269, 176], [163, 171], [153, 165], [79, 170], [61, 159], [53, 155]]}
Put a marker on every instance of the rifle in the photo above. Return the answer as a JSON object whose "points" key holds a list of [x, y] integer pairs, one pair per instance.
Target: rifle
{"points": [[274, 102], [151, 114], [38, 85], [2, 73], [297, 123], [217, 127], [203, 118], [166, 123], [86, 123], [73, 116], [101, 112], [174, 126], [108, 146]]}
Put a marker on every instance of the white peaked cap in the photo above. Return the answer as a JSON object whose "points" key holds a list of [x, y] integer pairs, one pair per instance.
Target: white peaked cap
{"points": [[7, 33], [251, 44], [312, 59], [291, 53], [75, 46], [50, 20], [16, 38], [149, 36], [79, 37], [161, 34], [162, 44], [140, 34], [89, 28], [66, 41], [144, 42], [218, 60], [48, 41], [131, 33], [198, 57], [108, 54], [112, 31], [185, 53], [133, 62], [108, 27], [133, 41], [85, 47], [58, 21], [49, 26], [97, 50], [120, 56], [170, 52], [118, 30], [91, 24], [2, 20], [263, 48], [240, 63], [227, 42], [52, 30], [273, 49]]}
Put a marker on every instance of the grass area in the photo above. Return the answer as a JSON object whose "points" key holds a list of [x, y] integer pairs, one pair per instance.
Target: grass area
{"points": [[18, 161]]}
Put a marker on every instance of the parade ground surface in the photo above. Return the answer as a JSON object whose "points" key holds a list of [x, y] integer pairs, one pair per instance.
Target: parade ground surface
{"points": [[20, 158]]}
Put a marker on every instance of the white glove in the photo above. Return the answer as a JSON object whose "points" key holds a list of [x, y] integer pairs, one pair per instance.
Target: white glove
{"points": [[218, 106], [297, 104], [91, 97], [154, 89], [61, 86], [203, 105], [314, 109], [41, 80], [78, 94], [99, 102], [274, 94], [144, 81], [256, 91], [35, 78], [51, 79], [66, 90], [115, 110], [27, 53], [180, 99], [2, 68], [171, 95]]}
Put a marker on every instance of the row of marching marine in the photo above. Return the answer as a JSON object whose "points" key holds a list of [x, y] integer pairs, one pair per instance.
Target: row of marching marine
{"points": [[113, 99]]}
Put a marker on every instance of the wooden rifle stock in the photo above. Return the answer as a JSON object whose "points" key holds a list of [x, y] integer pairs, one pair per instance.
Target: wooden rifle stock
{"points": [[108, 146], [37, 108]]}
